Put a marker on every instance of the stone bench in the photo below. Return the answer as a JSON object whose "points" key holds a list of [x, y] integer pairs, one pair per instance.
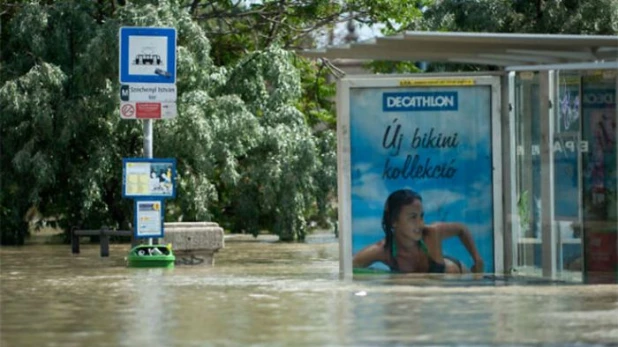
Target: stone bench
{"points": [[194, 243]]}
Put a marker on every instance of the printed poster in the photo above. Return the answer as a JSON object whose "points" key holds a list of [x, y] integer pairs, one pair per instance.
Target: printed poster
{"points": [[149, 218], [600, 186], [149, 177], [435, 141], [599, 110]]}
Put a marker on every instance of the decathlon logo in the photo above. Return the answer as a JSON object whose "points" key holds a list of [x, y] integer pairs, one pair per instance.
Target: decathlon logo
{"points": [[419, 101]]}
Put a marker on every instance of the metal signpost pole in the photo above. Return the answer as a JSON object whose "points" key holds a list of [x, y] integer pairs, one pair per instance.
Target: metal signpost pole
{"points": [[147, 74], [147, 126]]}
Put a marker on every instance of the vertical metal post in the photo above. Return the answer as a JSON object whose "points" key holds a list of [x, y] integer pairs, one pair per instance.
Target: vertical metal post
{"points": [[509, 161], [554, 112], [524, 116], [556, 98], [74, 241], [580, 173], [499, 120], [148, 146], [616, 115], [104, 241], [344, 185], [548, 237]]}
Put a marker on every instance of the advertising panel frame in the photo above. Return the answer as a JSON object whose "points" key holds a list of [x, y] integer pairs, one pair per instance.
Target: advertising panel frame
{"points": [[159, 218], [344, 179], [599, 235], [167, 162]]}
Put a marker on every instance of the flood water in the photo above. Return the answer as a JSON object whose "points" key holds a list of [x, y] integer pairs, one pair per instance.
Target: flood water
{"points": [[262, 292]]}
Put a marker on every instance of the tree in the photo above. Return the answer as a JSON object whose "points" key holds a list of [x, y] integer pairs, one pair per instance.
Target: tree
{"points": [[246, 155], [504, 16], [599, 17], [523, 16], [237, 27], [242, 25]]}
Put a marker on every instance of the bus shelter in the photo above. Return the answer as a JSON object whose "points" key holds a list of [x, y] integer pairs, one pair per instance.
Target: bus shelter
{"points": [[524, 155]]}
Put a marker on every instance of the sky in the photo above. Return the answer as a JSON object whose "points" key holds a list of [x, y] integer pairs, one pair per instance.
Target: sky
{"points": [[365, 32]]}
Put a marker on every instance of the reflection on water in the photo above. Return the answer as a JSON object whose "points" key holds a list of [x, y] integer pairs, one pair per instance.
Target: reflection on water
{"points": [[269, 293]]}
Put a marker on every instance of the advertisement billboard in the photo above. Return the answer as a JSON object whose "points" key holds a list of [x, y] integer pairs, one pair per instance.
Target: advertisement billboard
{"points": [[599, 179], [419, 174]]}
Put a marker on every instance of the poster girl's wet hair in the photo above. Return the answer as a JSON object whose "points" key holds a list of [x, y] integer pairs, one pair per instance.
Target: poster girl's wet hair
{"points": [[392, 207]]}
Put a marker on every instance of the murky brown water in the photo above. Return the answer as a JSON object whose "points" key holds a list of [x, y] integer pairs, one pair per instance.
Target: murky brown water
{"points": [[272, 294]]}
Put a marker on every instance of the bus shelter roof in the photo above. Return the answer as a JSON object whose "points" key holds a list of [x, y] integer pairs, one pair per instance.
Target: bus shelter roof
{"points": [[496, 49]]}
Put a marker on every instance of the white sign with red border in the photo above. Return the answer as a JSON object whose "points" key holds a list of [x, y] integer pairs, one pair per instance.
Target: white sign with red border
{"points": [[148, 110]]}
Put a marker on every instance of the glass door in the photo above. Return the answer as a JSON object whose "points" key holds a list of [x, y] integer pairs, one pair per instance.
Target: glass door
{"points": [[567, 148], [565, 222], [527, 220]]}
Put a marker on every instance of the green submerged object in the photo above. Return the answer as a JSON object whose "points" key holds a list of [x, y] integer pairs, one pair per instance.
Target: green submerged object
{"points": [[370, 271], [151, 256]]}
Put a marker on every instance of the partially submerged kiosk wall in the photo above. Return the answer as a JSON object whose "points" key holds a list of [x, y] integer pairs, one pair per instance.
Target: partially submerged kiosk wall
{"points": [[564, 224], [438, 136]]}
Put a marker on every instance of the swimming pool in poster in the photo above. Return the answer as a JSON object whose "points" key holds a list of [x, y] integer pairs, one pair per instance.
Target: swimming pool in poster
{"points": [[436, 141]]}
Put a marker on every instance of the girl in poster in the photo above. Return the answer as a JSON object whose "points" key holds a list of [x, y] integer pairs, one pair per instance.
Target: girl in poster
{"points": [[436, 140], [410, 245]]}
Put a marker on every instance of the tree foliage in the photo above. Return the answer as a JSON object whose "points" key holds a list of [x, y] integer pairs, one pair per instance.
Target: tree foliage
{"points": [[237, 27], [245, 25], [590, 17], [524, 16], [247, 157]]}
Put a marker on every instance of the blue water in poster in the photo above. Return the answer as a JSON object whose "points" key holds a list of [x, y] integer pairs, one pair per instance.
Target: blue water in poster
{"points": [[434, 141]]}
